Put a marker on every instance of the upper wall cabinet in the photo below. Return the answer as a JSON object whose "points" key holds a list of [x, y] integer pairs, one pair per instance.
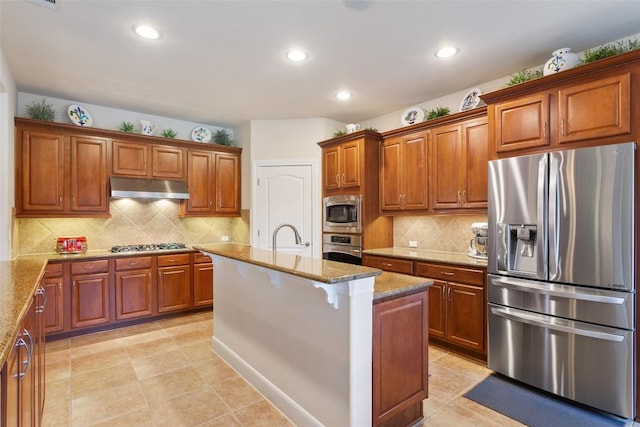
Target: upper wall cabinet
{"points": [[63, 170], [145, 160], [584, 106], [60, 174]]}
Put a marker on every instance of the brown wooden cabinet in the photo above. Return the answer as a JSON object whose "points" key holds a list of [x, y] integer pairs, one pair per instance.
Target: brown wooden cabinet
{"points": [[142, 160], [174, 282], [395, 265], [457, 304], [404, 173], [134, 289], [460, 155], [341, 166], [90, 293], [202, 280], [214, 184], [60, 174], [53, 285], [400, 359], [23, 392]]}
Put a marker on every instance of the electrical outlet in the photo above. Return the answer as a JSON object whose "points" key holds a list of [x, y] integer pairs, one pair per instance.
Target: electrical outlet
{"points": [[225, 238], [413, 244]]}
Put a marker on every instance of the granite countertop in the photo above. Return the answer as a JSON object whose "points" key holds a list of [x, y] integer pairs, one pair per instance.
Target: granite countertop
{"points": [[395, 284], [310, 268], [433, 256]]}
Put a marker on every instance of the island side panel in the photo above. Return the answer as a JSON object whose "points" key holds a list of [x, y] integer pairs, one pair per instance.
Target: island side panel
{"points": [[309, 358]]}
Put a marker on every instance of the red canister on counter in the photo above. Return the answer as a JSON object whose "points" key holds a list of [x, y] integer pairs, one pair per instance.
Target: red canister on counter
{"points": [[71, 245]]}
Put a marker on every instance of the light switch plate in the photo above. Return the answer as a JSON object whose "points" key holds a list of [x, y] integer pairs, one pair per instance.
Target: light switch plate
{"points": [[225, 238], [413, 244]]}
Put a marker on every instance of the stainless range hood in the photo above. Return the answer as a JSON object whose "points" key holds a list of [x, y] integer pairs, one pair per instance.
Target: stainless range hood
{"points": [[148, 188]]}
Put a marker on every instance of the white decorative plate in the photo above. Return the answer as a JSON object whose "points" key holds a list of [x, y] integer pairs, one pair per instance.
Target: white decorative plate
{"points": [[79, 116], [411, 116], [470, 100], [201, 134]]}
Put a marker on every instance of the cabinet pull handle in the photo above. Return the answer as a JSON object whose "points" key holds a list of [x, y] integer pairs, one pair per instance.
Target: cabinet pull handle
{"points": [[133, 263], [343, 179], [20, 342], [447, 273], [464, 196], [42, 291], [458, 198], [562, 127], [337, 178], [59, 200], [544, 130], [209, 203], [387, 264]]}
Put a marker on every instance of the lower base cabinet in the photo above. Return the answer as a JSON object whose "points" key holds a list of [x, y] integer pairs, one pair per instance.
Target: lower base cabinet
{"points": [[90, 293], [174, 282], [134, 288], [400, 359], [202, 280]]}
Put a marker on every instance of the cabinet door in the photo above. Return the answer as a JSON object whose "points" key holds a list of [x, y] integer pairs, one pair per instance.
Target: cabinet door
{"points": [[522, 124], [54, 310], [13, 371], [438, 309], [465, 316], [168, 162], [227, 181], [89, 300], [129, 158], [200, 180], [391, 175], [448, 170], [331, 168], [174, 288], [595, 109], [414, 170], [89, 175], [42, 165], [400, 357], [134, 296], [202, 284], [475, 160], [350, 164]]}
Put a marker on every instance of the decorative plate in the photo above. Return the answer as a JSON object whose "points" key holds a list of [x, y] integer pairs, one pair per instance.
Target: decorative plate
{"points": [[79, 116], [470, 100], [201, 134], [411, 116]]}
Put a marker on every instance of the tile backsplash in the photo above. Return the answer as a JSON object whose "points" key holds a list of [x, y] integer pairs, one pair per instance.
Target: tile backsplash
{"points": [[133, 221], [449, 233]]}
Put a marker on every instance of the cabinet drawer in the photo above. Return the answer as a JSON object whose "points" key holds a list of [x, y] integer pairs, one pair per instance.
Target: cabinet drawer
{"points": [[89, 267], [450, 274], [200, 258], [133, 263], [389, 264], [53, 270], [175, 259]]}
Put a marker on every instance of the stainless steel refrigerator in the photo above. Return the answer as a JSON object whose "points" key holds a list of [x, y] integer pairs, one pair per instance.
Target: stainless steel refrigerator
{"points": [[561, 288]]}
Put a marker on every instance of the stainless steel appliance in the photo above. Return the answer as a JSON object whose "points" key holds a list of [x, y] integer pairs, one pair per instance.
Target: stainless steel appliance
{"points": [[478, 245], [561, 287], [148, 247], [342, 214], [342, 247]]}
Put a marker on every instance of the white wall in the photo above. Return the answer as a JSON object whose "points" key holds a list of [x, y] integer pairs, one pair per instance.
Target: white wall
{"points": [[111, 118], [8, 99]]}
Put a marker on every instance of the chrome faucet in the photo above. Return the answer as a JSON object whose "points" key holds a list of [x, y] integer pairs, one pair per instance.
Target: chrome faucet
{"points": [[295, 232]]}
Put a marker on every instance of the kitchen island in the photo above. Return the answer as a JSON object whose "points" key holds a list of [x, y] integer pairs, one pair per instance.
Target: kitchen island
{"points": [[302, 330]]}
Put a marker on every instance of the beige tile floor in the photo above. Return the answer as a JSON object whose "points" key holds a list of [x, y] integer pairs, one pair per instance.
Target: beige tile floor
{"points": [[164, 374]]}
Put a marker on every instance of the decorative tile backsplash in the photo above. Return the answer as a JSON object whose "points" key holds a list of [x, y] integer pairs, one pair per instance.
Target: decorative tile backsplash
{"points": [[133, 221], [449, 233]]}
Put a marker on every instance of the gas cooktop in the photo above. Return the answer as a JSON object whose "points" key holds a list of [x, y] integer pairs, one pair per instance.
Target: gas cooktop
{"points": [[149, 247]]}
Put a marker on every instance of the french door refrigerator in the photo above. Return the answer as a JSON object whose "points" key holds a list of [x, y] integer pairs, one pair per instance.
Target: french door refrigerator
{"points": [[561, 288]]}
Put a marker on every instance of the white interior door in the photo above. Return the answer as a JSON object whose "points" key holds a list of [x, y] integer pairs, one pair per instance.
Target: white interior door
{"points": [[284, 195]]}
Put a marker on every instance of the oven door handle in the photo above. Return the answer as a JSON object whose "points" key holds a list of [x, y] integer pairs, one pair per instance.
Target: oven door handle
{"points": [[342, 250], [539, 320], [521, 285]]}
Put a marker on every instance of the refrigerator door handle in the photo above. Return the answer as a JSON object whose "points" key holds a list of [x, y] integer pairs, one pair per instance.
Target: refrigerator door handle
{"points": [[554, 220], [538, 320], [521, 285], [541, 244]]}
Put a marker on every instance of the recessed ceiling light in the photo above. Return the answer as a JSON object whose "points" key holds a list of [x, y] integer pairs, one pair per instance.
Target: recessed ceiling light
{"points": [[296, 55], [343, 95], [146, 32], [446, 52]]}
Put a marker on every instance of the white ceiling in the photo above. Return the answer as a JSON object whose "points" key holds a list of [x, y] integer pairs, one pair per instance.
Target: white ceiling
{"points": [[223, 62]]}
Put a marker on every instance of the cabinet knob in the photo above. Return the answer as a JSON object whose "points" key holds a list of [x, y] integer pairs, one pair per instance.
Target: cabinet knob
{"points": [[447, 273]]}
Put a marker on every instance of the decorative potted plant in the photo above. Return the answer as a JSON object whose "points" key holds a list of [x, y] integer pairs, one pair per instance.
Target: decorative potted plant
{"points": [[41, 111], [437, 112], [127, 126], [222, 137], [168, 133]]}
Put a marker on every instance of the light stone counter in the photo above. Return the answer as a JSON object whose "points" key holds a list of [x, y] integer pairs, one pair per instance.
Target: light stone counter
{"points": [[430, 256]]}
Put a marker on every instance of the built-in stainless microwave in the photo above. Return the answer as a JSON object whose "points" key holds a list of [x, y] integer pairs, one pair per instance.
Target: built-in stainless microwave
{"points": [[342, 214]]}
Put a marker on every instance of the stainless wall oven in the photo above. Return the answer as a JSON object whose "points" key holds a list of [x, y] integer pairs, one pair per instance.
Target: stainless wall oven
{"points": [[343, 248], [342, 214], [562, 274]]}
